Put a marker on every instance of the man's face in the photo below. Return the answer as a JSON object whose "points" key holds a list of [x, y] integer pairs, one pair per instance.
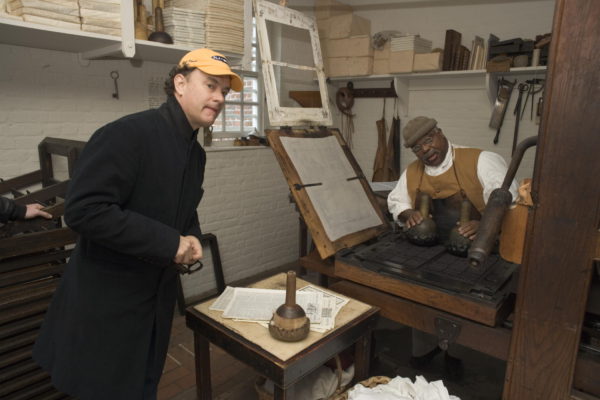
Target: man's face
{"points": [[431, 148], [201, 96]]}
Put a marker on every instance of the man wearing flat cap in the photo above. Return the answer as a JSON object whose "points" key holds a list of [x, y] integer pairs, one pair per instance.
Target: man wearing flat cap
{"points": [[449, 174], [132, 200]]}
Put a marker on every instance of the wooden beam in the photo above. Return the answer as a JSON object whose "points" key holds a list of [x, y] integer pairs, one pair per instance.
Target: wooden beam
{"points": [[562, 230]]}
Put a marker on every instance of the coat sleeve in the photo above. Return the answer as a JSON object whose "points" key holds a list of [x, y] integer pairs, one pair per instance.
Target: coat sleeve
{"points": [[10, 211], [96, 203]]}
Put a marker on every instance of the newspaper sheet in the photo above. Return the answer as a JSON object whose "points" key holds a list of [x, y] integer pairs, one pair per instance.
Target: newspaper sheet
{"points": [[251, 304], [223, 300]]}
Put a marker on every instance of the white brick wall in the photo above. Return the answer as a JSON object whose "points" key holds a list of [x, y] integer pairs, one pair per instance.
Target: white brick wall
{"points": [[51, 93]]}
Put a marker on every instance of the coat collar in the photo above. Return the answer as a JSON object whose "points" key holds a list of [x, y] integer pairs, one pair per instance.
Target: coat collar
{"points": [[172, 111]]}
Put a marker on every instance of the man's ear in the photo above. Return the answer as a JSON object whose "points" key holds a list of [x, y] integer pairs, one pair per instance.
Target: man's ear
{"points": [[179, 83]]}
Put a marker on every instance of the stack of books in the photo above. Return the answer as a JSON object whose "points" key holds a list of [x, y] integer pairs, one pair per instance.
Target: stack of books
{"points": [[61, 14], [411, 42], [186, 26], [101, 16], [225, 25]]}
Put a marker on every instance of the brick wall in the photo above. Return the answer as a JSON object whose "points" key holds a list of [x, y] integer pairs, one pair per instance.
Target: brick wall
{"points": [[51, 93]]}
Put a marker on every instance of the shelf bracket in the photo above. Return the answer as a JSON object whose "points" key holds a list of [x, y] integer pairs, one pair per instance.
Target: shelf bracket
{"points": [[124, 49]]}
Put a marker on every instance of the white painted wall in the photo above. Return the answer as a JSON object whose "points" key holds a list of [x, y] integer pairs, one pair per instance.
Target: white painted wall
{"points": [[51, 93]]}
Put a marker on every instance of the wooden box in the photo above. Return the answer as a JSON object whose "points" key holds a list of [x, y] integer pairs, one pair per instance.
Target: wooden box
{"points": [[401, 61], [356, 46], [348, 24], [325, 9], [348, 66], [427, 62]]}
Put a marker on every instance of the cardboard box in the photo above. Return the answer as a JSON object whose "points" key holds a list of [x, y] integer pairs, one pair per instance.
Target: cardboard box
{"points": [[383, 53], [323, 29], [427, 62], [357, 46], [401, 61], [381, 66], [349, 66], [347, 25], [325, 9]]}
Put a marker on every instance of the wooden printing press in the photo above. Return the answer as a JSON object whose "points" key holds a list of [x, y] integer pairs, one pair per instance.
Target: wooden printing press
{"points": [[33, 254], [425, 288]]}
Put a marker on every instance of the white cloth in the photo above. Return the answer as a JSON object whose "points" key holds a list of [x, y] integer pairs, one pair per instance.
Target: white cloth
{"points": [[402, 389], [491, 170]]}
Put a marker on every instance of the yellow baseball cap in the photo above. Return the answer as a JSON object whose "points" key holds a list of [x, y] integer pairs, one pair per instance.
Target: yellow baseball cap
{"points": [[212, 63]]}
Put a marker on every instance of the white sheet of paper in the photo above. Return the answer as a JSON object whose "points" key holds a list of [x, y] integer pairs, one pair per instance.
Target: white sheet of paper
{"points": [[259, 304], [341, 204]]}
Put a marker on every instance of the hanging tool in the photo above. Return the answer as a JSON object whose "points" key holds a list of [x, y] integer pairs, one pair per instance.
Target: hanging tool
{"points": [[379, 163], [115, 75], [504, 91], [523, 87], [531, 93]]}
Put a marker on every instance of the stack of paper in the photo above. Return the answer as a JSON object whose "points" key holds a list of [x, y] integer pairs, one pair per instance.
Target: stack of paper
{"points": [[185, 26], [411, 42], [58, 13], [225, 26], [101, 16], [194, 5], [258, 305]]}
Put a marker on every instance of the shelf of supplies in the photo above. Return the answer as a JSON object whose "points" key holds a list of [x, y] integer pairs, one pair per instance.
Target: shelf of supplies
{"points": [[440, 74], [91, 45], [401, 81], [21, 33]]}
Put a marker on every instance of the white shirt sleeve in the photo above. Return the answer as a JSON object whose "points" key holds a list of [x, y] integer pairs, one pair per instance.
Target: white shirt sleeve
{"points": [[491, 170], [399, 200]]}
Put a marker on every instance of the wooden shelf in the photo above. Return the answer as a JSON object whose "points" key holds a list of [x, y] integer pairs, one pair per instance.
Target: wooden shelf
{"points": [[92, 45], [440, 74], [401, 81], [20, 33]]}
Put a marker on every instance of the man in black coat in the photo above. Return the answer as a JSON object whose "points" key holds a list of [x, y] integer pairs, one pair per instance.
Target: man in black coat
{"points": [[132, 200]]}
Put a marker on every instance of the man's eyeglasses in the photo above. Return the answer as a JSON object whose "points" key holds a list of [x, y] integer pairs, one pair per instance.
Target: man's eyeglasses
{"points": [[189, 269], [427, 140]]}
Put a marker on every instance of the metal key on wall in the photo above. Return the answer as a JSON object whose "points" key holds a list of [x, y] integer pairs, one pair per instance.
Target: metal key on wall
{"points": [[115, 75]]}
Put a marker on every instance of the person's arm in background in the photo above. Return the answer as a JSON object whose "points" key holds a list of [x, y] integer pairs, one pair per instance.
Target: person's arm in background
{"points": [[11, 211], [400, 204]]}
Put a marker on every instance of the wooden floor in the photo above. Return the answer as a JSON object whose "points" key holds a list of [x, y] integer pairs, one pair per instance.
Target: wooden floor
{"points": [[231, 379]]}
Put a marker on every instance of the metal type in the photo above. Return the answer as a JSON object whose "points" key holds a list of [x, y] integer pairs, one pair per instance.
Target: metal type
{"points": [[394, 257]]}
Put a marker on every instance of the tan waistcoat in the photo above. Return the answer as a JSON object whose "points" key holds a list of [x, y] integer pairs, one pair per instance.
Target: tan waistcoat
{"points": [[447, 184]]}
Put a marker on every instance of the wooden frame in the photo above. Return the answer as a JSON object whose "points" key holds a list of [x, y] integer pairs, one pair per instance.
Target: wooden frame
{"points": [[290, 116], [562, 239], [185, 299], [325, 246]]}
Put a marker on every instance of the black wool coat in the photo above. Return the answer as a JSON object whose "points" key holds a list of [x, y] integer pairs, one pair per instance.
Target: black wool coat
{"points": [[135, 190]]}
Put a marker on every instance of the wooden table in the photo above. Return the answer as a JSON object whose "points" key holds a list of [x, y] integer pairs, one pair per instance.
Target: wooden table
{"points": [[283, 363]]}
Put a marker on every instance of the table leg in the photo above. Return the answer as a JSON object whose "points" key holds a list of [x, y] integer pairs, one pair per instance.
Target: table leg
{"points": [[362, 356], [279, 393], [202, 351]]}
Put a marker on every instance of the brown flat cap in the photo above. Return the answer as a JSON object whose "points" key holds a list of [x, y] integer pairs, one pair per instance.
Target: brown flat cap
{"points": [[416, 129]]}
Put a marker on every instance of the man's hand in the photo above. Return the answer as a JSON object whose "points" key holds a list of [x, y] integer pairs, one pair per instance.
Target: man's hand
{"points": [[411, 218], [469, 229], [189, 250], [35, 210]]}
